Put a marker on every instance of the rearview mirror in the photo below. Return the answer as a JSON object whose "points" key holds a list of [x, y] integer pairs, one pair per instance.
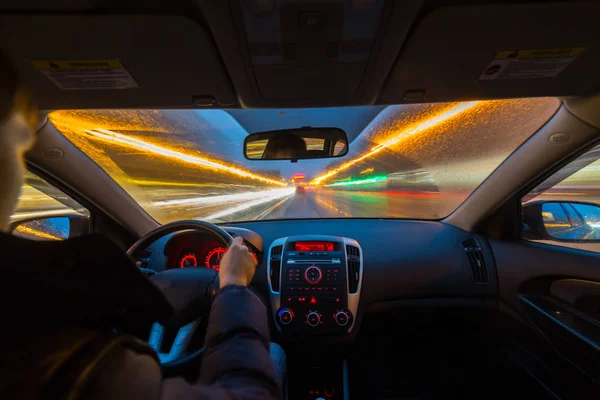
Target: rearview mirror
{"points": [[52, 228], [296, 144], [572, 222]]}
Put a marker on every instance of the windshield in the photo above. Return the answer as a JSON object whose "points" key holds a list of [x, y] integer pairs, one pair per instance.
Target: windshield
{"points": [[406, 161]]}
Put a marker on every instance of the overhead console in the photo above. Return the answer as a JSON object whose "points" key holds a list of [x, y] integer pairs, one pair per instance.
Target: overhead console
{"points": [[317, 53], [314, 284]]}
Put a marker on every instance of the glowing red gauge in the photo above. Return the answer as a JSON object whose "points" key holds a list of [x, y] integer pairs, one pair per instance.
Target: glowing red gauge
{"points": [[213, 258], [188, 260]]}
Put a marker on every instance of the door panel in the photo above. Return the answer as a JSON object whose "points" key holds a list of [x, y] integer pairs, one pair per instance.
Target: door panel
{"points": [[574, 335], [556, 290]]}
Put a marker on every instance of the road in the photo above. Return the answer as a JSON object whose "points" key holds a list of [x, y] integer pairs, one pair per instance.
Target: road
{"points": [[289, 203], [323, 203]]}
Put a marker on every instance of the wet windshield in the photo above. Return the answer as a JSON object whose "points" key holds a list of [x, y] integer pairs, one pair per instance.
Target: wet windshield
{"points": [[407, 161]]}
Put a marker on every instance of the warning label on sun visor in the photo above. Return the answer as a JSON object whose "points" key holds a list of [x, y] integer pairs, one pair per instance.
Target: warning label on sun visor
{"points": [[530, 64], [86, 74]]}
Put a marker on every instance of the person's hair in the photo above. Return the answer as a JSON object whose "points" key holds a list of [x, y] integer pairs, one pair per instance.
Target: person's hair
{"points": [[284, 142], [14, 93]]}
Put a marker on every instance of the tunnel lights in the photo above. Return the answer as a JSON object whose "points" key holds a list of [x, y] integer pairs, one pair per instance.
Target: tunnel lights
{"points": [[402, 135]]}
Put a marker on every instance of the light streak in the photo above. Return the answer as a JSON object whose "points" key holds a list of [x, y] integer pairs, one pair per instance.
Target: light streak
{"points": [[379, 178], [150, 182], [162, 151], [34, 232], [283, 193], [402, 135], [226, 198], [332, 207], [367, 171], [44, 213]]}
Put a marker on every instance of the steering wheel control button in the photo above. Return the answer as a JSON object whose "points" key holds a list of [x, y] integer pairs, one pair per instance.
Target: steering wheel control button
{"points": [[155, 335], [342, 318], [313, 318], [285, 316], [313, 275], [181, 336]]}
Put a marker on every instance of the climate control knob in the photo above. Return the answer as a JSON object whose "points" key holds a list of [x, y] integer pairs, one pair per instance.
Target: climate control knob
{"points": [[313, 275], [313, 318], [342, 318], [285, 316]]}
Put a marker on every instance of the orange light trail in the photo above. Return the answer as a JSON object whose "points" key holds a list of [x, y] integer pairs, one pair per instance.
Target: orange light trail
{"points": [[162, 151], [37, 233], [402, 135]]}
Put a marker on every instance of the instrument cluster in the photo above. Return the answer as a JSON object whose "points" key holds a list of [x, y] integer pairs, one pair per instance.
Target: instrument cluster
{"points": [[197, 250]]}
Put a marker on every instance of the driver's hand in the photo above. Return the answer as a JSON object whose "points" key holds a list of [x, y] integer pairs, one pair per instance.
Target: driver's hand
{"points": [[237, 266]]}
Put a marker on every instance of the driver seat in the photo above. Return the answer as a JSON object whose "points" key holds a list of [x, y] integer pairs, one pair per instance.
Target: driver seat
{"points": [[86, 364], [76, 363]]}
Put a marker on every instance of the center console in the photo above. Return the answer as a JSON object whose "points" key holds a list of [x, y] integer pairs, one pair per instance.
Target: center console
{"points": [[314, 284]]}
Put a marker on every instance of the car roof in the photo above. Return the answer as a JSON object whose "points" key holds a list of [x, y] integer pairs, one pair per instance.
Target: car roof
{"points": [[256, 54]]}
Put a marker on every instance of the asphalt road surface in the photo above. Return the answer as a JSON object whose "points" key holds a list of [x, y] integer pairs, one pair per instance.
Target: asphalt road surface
{"points": [[315, 203]]}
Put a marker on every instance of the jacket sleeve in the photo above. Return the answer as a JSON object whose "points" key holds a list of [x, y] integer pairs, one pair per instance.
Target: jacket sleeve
{"points": [[236, 362]]}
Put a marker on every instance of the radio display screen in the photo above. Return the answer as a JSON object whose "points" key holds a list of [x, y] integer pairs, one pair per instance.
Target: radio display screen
{"points": [[314, 246]]}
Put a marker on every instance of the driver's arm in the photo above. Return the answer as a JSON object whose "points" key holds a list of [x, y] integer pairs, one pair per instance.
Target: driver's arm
{"points": [[236, 362]]}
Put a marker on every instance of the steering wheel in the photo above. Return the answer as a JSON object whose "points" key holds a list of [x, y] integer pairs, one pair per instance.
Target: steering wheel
{"points": [[189, 290]]}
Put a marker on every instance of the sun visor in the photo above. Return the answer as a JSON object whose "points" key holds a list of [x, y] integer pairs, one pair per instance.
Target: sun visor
{"points": [[107, 61], [499, 51]]}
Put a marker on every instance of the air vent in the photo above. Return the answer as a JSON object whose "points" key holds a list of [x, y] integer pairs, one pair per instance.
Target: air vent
{"points": [[476, 259], [353, 254], [290, 51], [275, 264]]}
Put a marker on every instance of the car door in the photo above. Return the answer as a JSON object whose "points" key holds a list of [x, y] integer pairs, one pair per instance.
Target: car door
{"points": [[549, 275]]}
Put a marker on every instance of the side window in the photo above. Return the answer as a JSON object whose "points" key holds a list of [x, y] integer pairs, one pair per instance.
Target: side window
{"points": [[565, 208], [45, 213]]}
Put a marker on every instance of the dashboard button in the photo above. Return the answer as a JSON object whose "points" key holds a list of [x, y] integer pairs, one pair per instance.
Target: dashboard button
{"points": [[342, 318], [313, 318], [313, 275], [285, 316]]}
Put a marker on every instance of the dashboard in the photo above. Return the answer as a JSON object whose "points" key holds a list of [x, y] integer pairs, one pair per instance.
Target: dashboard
{"points": [[373, 265]]}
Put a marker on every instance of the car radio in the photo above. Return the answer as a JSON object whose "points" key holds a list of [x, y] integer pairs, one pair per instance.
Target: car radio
{"points": [[314, 284]]}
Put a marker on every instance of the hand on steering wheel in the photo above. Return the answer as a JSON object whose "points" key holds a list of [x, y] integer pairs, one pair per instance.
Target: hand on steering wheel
{"points": [[237, 266]]}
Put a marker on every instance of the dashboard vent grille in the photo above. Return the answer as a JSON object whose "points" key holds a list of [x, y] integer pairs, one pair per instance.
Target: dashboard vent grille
{"points": [[275, 263], [353, 254], [476, 259]]}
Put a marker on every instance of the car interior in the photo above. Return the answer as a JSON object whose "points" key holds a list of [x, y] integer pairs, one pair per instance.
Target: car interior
{"points": [[429, 226]]}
